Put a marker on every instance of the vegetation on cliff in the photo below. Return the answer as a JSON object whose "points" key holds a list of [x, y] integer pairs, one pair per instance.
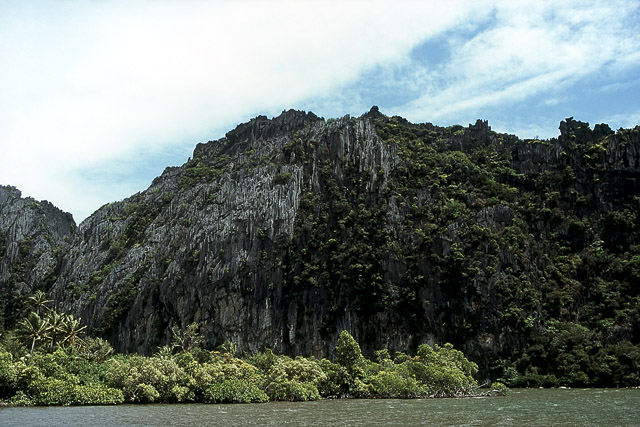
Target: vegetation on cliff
{"points": [[544, 255], [524, 254]]}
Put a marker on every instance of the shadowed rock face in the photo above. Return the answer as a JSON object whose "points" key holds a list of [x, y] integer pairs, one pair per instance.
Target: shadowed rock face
{"points": [[32, 235], [290, 229]]}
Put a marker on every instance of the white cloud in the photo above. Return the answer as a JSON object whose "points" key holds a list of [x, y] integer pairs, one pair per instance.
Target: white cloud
{"points": [[91, 92], [529, 49], [86, 84], [626, 120]]}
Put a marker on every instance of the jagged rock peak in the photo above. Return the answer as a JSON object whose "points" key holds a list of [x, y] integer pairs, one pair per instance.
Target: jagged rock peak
{"points": [[8, 193], [33, 237], [570, 129], [61, 223], [374, 112], [261, 127]]}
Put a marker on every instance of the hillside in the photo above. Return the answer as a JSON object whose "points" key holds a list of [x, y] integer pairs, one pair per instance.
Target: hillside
{"points": [[525, 254]]}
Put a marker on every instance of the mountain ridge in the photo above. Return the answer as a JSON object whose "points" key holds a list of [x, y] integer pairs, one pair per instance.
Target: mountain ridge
{"points": [[288, 230]]}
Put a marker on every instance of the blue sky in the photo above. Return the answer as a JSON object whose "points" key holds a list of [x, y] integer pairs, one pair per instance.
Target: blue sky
{"points": [[97, 97]]}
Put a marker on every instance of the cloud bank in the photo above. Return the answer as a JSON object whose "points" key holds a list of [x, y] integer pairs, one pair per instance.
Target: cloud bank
{"points": [[536, 49], [98, 96]]}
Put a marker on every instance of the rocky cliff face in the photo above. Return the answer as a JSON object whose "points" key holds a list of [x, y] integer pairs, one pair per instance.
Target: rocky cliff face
{"points": [[289, 230], [32, 235], [211, 241]]}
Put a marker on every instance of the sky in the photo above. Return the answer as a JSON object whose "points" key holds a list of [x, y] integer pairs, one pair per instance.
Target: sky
{"points": [[97, 97]]}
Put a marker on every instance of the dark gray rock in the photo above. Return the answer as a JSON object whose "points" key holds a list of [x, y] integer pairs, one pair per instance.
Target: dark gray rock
{"points": [[257, 237], [33, 239]]}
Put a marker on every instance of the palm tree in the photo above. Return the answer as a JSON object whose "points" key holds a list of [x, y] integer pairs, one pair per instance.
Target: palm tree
{"points": [[34, 329], [39, 301], [164, 352], [71, 331], [56, 328]]}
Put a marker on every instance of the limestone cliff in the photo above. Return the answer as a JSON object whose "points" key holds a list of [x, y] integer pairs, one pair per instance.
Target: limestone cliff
{"points": [[32, 235], [290, 229]]}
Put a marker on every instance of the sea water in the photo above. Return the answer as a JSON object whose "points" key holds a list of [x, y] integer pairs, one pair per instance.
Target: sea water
{"points": [[521, 407]]}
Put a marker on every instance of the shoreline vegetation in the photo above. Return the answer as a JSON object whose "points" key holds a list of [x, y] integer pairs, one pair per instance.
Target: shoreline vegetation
{"points": [[46, 361]]}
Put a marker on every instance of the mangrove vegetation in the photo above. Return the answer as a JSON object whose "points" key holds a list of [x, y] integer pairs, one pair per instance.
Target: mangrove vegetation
{"points": [[48, 361]]}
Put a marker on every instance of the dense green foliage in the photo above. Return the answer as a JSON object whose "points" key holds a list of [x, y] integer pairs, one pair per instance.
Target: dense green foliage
{"points": [[87, 372], [544, 261], [524, 253], [71, 377]]}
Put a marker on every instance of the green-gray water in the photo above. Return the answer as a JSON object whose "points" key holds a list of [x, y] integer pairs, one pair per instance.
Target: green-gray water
{"points": [[520, 407]]}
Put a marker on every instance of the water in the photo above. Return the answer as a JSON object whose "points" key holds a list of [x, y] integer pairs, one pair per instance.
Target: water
{"points": [[574, 407]]}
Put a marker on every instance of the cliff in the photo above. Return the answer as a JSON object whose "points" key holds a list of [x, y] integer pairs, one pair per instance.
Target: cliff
{"points": [[32, 235], [290, 229]]}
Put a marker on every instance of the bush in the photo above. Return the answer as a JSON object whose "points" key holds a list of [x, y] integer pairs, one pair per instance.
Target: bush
{"points": [[52, 391], [336, 380], [96, 350], [361, 389], [145, 393], [444, 370], [499, 389], [263, 360], [234, 390], [348, 351], [89, 375], [182, 393], [8, 375], [294, 379], [394, 385], [148, 379], [292, 390]]}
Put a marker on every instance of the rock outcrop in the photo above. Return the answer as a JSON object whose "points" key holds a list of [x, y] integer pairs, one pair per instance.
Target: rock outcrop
{"points": [[290, 229], [32, 235]]}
